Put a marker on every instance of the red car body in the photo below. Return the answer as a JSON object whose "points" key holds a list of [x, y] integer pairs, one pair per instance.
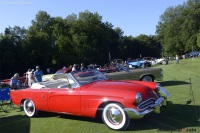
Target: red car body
{"points": [[84, 94]]}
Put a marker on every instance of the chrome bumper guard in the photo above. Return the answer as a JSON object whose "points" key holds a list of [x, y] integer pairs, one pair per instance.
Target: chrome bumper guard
{"points": [[134, 114]]}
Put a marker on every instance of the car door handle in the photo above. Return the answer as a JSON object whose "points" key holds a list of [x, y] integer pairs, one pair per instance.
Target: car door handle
{"points": [[49, 92]]}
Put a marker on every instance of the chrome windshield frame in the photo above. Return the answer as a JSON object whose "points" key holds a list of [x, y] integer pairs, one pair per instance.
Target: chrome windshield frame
{"points": [[97, 74]]}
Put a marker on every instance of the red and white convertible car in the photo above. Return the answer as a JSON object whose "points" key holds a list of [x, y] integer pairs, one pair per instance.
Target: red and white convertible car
{"points": [[84, 93]]}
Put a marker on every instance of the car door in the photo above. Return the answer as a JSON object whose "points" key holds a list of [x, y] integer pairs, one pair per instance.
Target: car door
{"points": [[39, 97], [64, 100], [135, 74]]}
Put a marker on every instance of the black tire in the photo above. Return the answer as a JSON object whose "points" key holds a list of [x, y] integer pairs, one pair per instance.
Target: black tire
{"points": [[29, 108], [115, 117], [147, 78]]}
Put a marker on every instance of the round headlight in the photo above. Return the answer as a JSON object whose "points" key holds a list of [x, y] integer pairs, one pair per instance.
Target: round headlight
{"points": [[138, 98]]}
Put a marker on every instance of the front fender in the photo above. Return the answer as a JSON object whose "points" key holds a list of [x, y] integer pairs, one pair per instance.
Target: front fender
{"points": [[91, 104]]}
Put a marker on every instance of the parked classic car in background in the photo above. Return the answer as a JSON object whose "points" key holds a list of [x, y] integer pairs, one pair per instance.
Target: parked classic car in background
{"points": [[162, 61], [59, 74], [88, 93], [139, 63], [142, 74]]}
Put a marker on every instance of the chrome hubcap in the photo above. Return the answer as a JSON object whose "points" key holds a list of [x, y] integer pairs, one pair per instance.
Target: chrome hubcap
{"points": [[147, 78], [114, 115], [29, 107]]}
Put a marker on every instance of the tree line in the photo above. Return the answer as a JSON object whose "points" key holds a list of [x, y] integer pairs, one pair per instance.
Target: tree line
{"points": [[54, 42], [179, 28]]}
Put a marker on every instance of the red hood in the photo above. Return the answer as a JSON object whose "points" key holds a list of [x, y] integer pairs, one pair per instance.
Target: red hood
{"points": [[111, 86]]}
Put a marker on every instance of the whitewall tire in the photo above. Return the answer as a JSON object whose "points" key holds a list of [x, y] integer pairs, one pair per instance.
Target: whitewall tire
{"points": [[115, 117], [29, 108]]}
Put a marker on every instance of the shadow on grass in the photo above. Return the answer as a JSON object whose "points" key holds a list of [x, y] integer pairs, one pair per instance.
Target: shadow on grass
{"points": [[70, 117], [174, 117], [14, 124], [173, 83]]}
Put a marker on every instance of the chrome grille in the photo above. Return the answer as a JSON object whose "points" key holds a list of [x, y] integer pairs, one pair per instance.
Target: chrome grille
{"points": [[146, 104]]}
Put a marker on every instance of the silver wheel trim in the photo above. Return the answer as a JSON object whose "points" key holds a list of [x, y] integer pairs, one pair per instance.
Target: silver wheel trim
{"points": [[147, 78], [114, 116], [29, 108], [164, 62]]}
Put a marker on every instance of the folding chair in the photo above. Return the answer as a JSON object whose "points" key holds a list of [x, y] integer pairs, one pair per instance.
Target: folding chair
{"points": [[5, 100]]}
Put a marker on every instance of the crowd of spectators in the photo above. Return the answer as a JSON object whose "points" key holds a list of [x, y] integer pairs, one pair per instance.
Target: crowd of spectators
{"points": [[34, 76], [31, 77]]}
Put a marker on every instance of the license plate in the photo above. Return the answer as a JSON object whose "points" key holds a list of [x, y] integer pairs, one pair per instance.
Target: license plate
{"points": [[164, 91]]}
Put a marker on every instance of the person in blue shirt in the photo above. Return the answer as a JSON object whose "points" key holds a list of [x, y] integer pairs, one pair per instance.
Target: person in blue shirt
{"points": [[14, 82], [38, 74]]}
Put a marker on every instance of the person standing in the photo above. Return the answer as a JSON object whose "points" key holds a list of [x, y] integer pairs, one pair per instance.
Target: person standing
{"points": [[74, 68], [26, 75], [31, 77], [177, 59], [82, 66], [48, 70], [38, 74]]}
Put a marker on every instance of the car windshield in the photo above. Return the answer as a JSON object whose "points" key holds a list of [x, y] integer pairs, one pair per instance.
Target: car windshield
{"points": [[88, 76]]}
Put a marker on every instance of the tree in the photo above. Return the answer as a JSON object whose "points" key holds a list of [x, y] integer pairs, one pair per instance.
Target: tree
{"points": [[12, 51], [178, 27], [198, 40], [40, 41], [92, 37], [191, 25]]}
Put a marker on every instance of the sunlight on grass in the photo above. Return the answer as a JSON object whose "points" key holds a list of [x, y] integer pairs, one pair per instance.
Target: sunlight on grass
{"points": [[181, 113]]}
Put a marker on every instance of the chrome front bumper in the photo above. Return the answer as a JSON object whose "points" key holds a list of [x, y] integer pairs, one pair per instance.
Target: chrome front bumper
{"points": [[134, 114]]}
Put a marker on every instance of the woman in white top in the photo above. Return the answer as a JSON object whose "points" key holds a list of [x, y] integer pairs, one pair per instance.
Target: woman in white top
{"points": [[31, 78]]}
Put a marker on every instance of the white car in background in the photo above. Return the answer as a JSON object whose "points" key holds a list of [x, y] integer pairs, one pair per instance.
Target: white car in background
{"points": [[155, 61], [160, 61]]}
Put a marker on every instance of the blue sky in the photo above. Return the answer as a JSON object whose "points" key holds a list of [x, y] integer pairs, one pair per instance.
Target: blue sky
{"points": [[134, 17]]}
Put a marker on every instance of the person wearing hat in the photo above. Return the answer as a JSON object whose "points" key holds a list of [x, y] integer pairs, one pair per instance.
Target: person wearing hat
{"points": [[14, 82], [38, 74]]}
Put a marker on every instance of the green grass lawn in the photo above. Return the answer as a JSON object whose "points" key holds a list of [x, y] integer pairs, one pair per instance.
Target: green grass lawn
{"points": [[181, 114]]}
